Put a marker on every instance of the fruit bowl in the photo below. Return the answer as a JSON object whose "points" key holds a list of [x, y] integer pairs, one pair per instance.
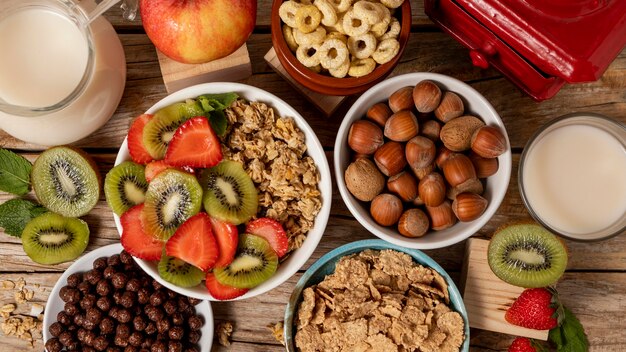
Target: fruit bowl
{"points": [[494, 190], [298, 257]]}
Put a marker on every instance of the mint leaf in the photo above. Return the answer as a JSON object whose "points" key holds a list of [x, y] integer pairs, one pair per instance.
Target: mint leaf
{"points": [[569, 336], [16, 213], [218, 122], [14, 173], [211, 102]]}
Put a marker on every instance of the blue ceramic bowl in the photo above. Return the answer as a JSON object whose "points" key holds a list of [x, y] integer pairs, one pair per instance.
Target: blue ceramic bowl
{"points": [[326, 266]]}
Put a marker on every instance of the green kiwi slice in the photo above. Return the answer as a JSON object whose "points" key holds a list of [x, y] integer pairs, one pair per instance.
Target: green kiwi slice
{"points": [[254, 263], [66, 181], [178, 272], [173, 196], [527, 255], [229, 193], [125, 186], [51, 238], [159, 131]]}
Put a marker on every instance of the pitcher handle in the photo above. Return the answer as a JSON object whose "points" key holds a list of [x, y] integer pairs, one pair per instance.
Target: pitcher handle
{"points": [[130, 9]]}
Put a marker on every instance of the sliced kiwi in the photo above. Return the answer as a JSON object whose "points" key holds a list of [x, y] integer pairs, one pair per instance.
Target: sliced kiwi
{"points": [[125, 186], [179, 273], [229, 193], [159, 131], [527, 255], [173, 196], [66, 181], [254, 263], [51, 238]]}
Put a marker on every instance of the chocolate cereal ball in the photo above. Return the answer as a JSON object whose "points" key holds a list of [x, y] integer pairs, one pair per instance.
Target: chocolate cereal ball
{"points": [[100, 263], [74, 280], [54, 345]]}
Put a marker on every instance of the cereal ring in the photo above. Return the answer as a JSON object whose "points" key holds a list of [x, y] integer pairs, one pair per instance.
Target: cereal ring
{"points": [[386, 51], [338, 26], [341, 71], [369, 11], [307, 54], [329, 15], [362, 46], [341, 5], [287, 12], [289, 39], [308, 18], [380, 28], [392, 4], [394, 30], [337, 35], [361, 67], [333, 53], [354, 24], [315, 37]]}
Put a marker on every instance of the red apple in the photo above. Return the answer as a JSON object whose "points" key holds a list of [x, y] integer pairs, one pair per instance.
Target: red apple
{"points": [[198, 31]]}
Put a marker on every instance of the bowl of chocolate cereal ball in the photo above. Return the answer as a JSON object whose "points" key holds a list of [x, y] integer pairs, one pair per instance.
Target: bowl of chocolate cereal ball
{"points": [[340, 47], [371, 295]]}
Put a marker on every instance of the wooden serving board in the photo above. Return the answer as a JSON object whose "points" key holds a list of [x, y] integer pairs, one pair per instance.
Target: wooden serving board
{"points": [[487, 297]]}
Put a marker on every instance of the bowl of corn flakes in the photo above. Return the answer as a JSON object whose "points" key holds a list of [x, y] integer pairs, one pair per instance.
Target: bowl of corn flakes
{"points": [[371, 295], [340, 47]]}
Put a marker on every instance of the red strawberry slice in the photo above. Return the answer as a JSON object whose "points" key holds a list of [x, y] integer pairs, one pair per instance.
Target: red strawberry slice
{"points": [[521, 344], [194, 144], [220, 291], [156, 167], [194, 243], [135, 240], [137, 151], [272, 231], [227, 239], [534, 309]]}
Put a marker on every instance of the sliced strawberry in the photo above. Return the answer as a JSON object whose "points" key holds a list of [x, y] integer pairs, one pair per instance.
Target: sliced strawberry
{"points": [[194, 144], [157, 166], [135, 240], [227, 239], [137, 151], [272, 231], [220, 291], [194, 243]]}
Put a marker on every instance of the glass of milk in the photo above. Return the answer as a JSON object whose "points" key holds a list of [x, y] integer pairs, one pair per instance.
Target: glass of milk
{"points": [[572, 176], [61, 77]]}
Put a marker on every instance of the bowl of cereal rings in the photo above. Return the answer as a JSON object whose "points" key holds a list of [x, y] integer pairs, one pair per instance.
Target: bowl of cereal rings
{"points": [[340, 47]]}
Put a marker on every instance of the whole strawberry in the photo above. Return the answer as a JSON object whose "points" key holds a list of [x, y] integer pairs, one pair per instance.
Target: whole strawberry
{"points": [[521, 344], [535, 308]]}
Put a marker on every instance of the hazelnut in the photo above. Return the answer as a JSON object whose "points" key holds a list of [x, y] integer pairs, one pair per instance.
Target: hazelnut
{"points": [[473, 185], [456, 135], [386, 209], [402, 99], [422, 172], [379, 113], [401, 126], [365, 137], [404, 185], [442, 155], [390, 158], [364, 180], [441, 216], [430, 129], [413, 223], [458, 169], [484, 167], [420, 152], [417, 201], [451, 107], [488, 142], [426, 96], [432, 189], [469, 206]]}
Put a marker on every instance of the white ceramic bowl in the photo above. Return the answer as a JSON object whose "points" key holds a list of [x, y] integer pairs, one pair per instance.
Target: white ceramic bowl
{"points": [[298, 257], [85, 263], [475, 104]]}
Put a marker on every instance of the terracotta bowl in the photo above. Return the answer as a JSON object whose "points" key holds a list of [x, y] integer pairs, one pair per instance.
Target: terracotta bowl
{"points": [[327, 84]]}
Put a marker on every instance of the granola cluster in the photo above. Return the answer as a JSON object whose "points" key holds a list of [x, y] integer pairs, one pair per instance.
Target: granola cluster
{"points": [[273, 152], [26, 327], [378, 301]]}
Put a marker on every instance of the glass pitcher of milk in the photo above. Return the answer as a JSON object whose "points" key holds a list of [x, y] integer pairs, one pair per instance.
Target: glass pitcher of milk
{"points": [[62, 73]]}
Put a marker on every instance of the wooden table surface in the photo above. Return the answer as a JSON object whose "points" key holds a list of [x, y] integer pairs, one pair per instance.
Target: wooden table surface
{"points": [[594, 286]]}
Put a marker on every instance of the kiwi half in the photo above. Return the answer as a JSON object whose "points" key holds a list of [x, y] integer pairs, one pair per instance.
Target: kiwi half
{"points": [[178, 272], [173, 196], [51, 238], [125, 186], [159, 131], [527, 255], [66, 181], [254, 263], [229, 193]]}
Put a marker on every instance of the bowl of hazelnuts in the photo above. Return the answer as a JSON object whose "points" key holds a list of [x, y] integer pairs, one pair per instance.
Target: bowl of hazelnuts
{"points": [[422, 160]]}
